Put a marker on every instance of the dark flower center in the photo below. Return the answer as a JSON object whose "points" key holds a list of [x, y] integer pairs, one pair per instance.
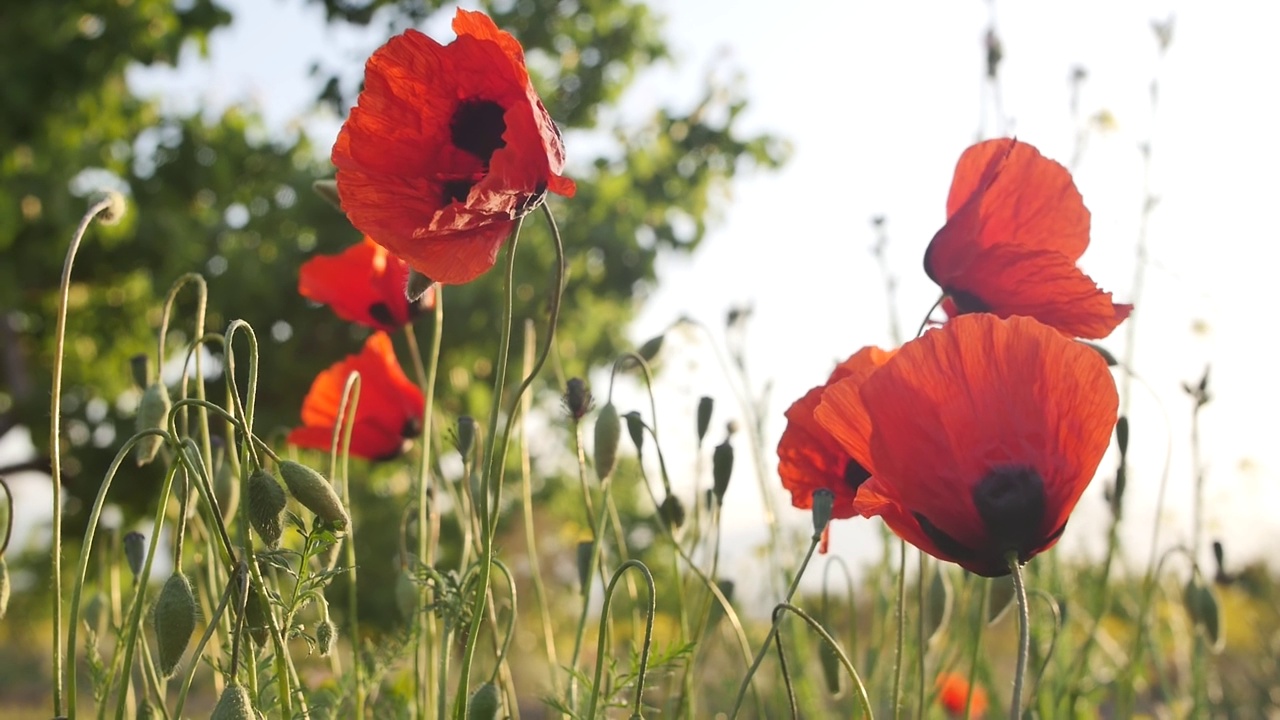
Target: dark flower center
{"points": [[452, 191], [477, 127], [855, 475], [381, 314], [1011, 502], [412, 428]]}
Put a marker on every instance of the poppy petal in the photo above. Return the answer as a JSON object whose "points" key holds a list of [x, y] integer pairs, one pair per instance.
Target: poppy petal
{"points": [[362, 284]]}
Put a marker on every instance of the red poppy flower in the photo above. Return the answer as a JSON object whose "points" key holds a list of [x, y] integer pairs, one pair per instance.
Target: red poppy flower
{"points": [[363, 284], [953, 693], [1016, 226], [447, 146], [980, 437], [389, 412]]}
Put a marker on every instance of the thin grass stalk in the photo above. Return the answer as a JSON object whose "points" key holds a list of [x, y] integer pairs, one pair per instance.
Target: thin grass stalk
{"points": [[900, 644], [648, 637], [864, 702]]}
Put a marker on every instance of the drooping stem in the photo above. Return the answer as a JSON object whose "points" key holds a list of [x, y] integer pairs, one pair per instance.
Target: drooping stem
{"points": [[1024, 636]]}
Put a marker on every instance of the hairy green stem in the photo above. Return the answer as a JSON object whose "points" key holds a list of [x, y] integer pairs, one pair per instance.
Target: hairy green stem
{"points": [[1024, 636]]}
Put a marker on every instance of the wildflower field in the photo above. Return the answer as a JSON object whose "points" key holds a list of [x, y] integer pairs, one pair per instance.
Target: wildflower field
{"points": [[360, 430]]}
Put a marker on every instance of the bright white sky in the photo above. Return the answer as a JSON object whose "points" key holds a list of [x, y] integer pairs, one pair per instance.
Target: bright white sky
{"points": [[879, 100]]}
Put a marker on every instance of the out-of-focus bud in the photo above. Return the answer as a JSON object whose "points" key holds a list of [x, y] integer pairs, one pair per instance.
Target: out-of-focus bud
{"points": [[831, 670], [721, 469], [235, 704], [705, 406], [672, 512], [577, 398], [175, 621], [995, 53], [635, 428], [140, 369], [650, 348], [135, 552], [1204, 611], [326, 631], [823, 500], [153, 410], [266, 502], [315, 493], [484, 703], [406, 595], [255, 619], [115, 209], [608, 432], [1122, 435], [466, 435], [584, 563]]}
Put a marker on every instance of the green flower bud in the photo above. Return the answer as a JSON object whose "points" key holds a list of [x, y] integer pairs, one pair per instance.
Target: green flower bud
{"points": [[153, 410], [484, 703], [175, 621], [577, 398], [608, 432], [1204, 611], [315, 493], [466, 435], [235, 704], [831, 670], [255, 619], [823, 501], [635, 428], [417, 286], [651, 347], [721, 468], [705, 406], [135, 552], [326, 631], [266, 502], [147, 711], [1122, 435], [672, 512]]}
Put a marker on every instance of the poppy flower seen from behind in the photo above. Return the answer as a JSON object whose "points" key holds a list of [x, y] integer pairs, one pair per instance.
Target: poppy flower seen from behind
{"points": [[389, 411], [363, 284], [1016, 226], [980, 437], [953, 694], [447, 146]]}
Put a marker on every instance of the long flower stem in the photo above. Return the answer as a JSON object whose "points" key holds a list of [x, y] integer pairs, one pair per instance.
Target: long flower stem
{"points": [[902, 630], [55, 439], [1024, 636]]}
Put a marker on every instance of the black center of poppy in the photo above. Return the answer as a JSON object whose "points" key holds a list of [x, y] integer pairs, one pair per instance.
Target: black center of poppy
{"points": [[412, 428], [381, 314], [1011, 503], [968, 302], [477, 126], [452, 191], [855, 475]]}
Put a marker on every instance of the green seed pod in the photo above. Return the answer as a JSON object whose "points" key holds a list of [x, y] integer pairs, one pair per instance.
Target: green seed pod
{"points": [[608, 432], [315, 493], [153, 410], [823, 501], [1000, 598], [721, 468], [635, 428], [1202, 606], [485, 703], [135, 552], [326, 631], [672, 512], [4, 587], [266, 502], [235, 704], [705, 406], [406, 595], [584, 563], [255, 619], [226, 489], [175, 621], [466, 435]]}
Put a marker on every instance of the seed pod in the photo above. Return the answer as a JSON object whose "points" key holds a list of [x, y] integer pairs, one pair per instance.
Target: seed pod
{"points": [[235, 704], [255, 619], [705, 406], [153, 409], [635, 428], [135, 552], [4, 587], [326, 631], [672, 512], [484, 703], [577, 398], [823, 501], [266, 502], [466, 435], [721, 468], [315, 493], [175, 621], [608, 431]]}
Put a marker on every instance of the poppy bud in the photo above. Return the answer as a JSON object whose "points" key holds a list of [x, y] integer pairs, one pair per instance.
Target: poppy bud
{"points": [[95, 611], [830, 667], [326, 631], [823, 500], [635, 428], [175, 621], [484, 703], [406, 595], [1219, 555], [1204, 611], [466, 435], [1122, 435], [577, 398], [1116, 494], [315, 493], [418, 285], [328, 189], [235, 704], [266, 502], [5, 588], [153, 409], [721, 469], [147, 711], [705, 406], [140, 369], [115, 209], [135, 552], [255, 619], [584, 563], [672, 512], [608, 430], [650, 348]]}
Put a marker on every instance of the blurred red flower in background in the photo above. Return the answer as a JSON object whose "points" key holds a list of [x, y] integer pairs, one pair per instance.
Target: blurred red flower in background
{"points": [[389, 411], [447, 146], [363, 284], [1016, 226], [953, 693], [979, 437]]}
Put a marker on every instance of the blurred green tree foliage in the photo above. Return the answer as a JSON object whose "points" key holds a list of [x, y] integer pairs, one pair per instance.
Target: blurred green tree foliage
{"points": [[224, 196]]}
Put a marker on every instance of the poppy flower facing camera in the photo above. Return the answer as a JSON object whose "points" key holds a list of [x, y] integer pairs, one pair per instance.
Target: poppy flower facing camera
{"points": [[447, 147], [363, 284], [1016, 226], [389, 411], [978, 437]]}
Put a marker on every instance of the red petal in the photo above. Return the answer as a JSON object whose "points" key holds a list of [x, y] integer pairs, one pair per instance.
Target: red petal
{"points": [[357, 279]]}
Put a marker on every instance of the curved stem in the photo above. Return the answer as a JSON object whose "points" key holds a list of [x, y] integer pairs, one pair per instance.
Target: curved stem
{"points": [[8, 516], [864, 701], [55, 440], [1024, 636], [603, 634]]}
